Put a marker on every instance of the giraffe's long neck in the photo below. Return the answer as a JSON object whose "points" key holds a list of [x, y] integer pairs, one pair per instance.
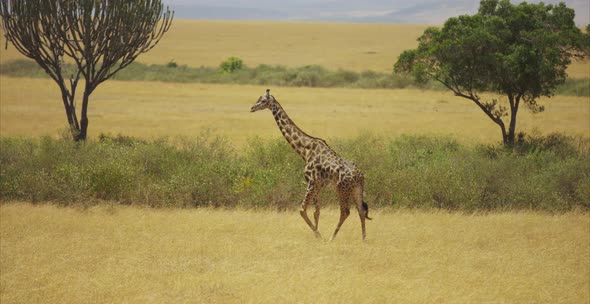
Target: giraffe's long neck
{"points": [[298, 139]]}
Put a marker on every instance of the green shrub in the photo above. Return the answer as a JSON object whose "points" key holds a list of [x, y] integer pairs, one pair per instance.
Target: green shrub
{"points": [[550, 173], [22, 68], [171, 64], [574, 87], [308, 76], [234, 71], [231, 65], [271, 175]]}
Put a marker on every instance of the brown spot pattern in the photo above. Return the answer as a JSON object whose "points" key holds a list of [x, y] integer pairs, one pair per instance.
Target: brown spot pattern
{"points": [[324, 168]]}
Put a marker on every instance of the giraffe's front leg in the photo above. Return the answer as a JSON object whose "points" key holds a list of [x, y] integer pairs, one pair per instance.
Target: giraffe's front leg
{"points": [[311, 194]]}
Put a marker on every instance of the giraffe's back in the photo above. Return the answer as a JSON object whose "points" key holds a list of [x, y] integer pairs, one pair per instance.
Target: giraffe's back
{"points": [[327, 167]]}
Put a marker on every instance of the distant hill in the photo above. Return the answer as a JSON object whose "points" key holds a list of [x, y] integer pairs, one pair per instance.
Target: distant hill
{"points": [[369, 11]]}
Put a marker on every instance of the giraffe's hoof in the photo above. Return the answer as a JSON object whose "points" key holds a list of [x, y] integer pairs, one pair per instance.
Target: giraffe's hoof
{"points": [[317, 234]]}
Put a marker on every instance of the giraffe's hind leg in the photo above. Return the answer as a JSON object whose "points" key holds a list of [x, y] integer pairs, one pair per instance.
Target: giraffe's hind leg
{"points": [[362, 214], [316, 213], [312, 192], [358, 197], [344, 213], [344, 196]]}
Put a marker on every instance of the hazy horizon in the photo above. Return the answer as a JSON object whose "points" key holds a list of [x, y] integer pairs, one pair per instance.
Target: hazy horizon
{"points": [[371, 11]]}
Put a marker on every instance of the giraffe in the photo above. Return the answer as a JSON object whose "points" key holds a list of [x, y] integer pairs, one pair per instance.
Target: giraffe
{"points": [[323, 168]]}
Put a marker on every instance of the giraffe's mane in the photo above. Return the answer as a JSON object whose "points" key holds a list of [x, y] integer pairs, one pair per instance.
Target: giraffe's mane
{"points": [[300, 130]]}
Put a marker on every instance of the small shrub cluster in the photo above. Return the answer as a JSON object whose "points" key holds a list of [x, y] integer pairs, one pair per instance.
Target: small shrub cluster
{"points": [[550, 173], [574, 87], [231, 65], [234, 71], [22, 68]]}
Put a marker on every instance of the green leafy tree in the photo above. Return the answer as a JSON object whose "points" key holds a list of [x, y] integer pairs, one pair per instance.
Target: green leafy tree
{"points": [[520, 52], [100, 37]]}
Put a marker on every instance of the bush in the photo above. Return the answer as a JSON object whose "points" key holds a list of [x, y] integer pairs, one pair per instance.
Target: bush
{"points": [[548, 173], [574, 87], [271, 175], [231, 65], [171, 64], [233, 70], [308, 76], [22, 68], [562, 145]]}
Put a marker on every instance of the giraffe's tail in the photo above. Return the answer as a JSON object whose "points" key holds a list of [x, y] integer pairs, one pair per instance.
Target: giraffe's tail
{"points": [[366, 207]]}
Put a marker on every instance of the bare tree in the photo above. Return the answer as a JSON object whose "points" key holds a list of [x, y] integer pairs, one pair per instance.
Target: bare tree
{"points": [[100, 37]]}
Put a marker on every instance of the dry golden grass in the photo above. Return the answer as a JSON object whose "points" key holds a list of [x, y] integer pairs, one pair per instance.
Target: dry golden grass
{"points": [[154, 109], [116, 254], [130, 255], [353, 46]]}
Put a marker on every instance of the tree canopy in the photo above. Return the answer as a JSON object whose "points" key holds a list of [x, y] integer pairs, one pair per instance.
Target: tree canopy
{"points": [[517, 51]]}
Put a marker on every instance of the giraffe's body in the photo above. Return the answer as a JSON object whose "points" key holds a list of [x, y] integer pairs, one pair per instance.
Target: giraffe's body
{"points": [[323, 168]]}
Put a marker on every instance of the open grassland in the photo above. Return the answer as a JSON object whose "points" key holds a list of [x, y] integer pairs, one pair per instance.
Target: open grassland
{"points": [[155, 109], [133, 255], [353, 46]]}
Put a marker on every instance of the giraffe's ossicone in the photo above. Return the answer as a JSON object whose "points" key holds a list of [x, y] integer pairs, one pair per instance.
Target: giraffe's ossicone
{"points": [[323, 167]]}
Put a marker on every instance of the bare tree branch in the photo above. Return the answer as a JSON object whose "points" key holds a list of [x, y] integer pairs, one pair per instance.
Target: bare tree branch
{"points": [[100, 36]]}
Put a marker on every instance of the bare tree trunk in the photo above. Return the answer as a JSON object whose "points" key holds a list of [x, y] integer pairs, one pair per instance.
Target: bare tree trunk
{"points": [[70, 112], [504, 134], [514, 104], [84, 115]]}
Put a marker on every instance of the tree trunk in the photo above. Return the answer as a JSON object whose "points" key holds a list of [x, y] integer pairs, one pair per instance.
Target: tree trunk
{"points": [[70, 109], [514, 103], [81, 136], [84, 116], [504, 134]]}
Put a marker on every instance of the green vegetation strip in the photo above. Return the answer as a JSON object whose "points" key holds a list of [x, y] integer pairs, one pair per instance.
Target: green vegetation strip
{"points": [[275, 75], [540, 173]]}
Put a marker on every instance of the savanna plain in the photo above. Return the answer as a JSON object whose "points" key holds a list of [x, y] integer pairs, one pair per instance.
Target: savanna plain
{"points": [[105, 252], [114, 254]]}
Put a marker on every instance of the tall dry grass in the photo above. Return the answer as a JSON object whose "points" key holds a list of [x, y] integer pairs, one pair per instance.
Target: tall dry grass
{"points": [[354, 46], [115, 254], [155, 109]]}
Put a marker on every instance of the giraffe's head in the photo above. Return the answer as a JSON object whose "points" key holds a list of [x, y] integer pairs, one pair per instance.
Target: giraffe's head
{"points": [[263, 102]]}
